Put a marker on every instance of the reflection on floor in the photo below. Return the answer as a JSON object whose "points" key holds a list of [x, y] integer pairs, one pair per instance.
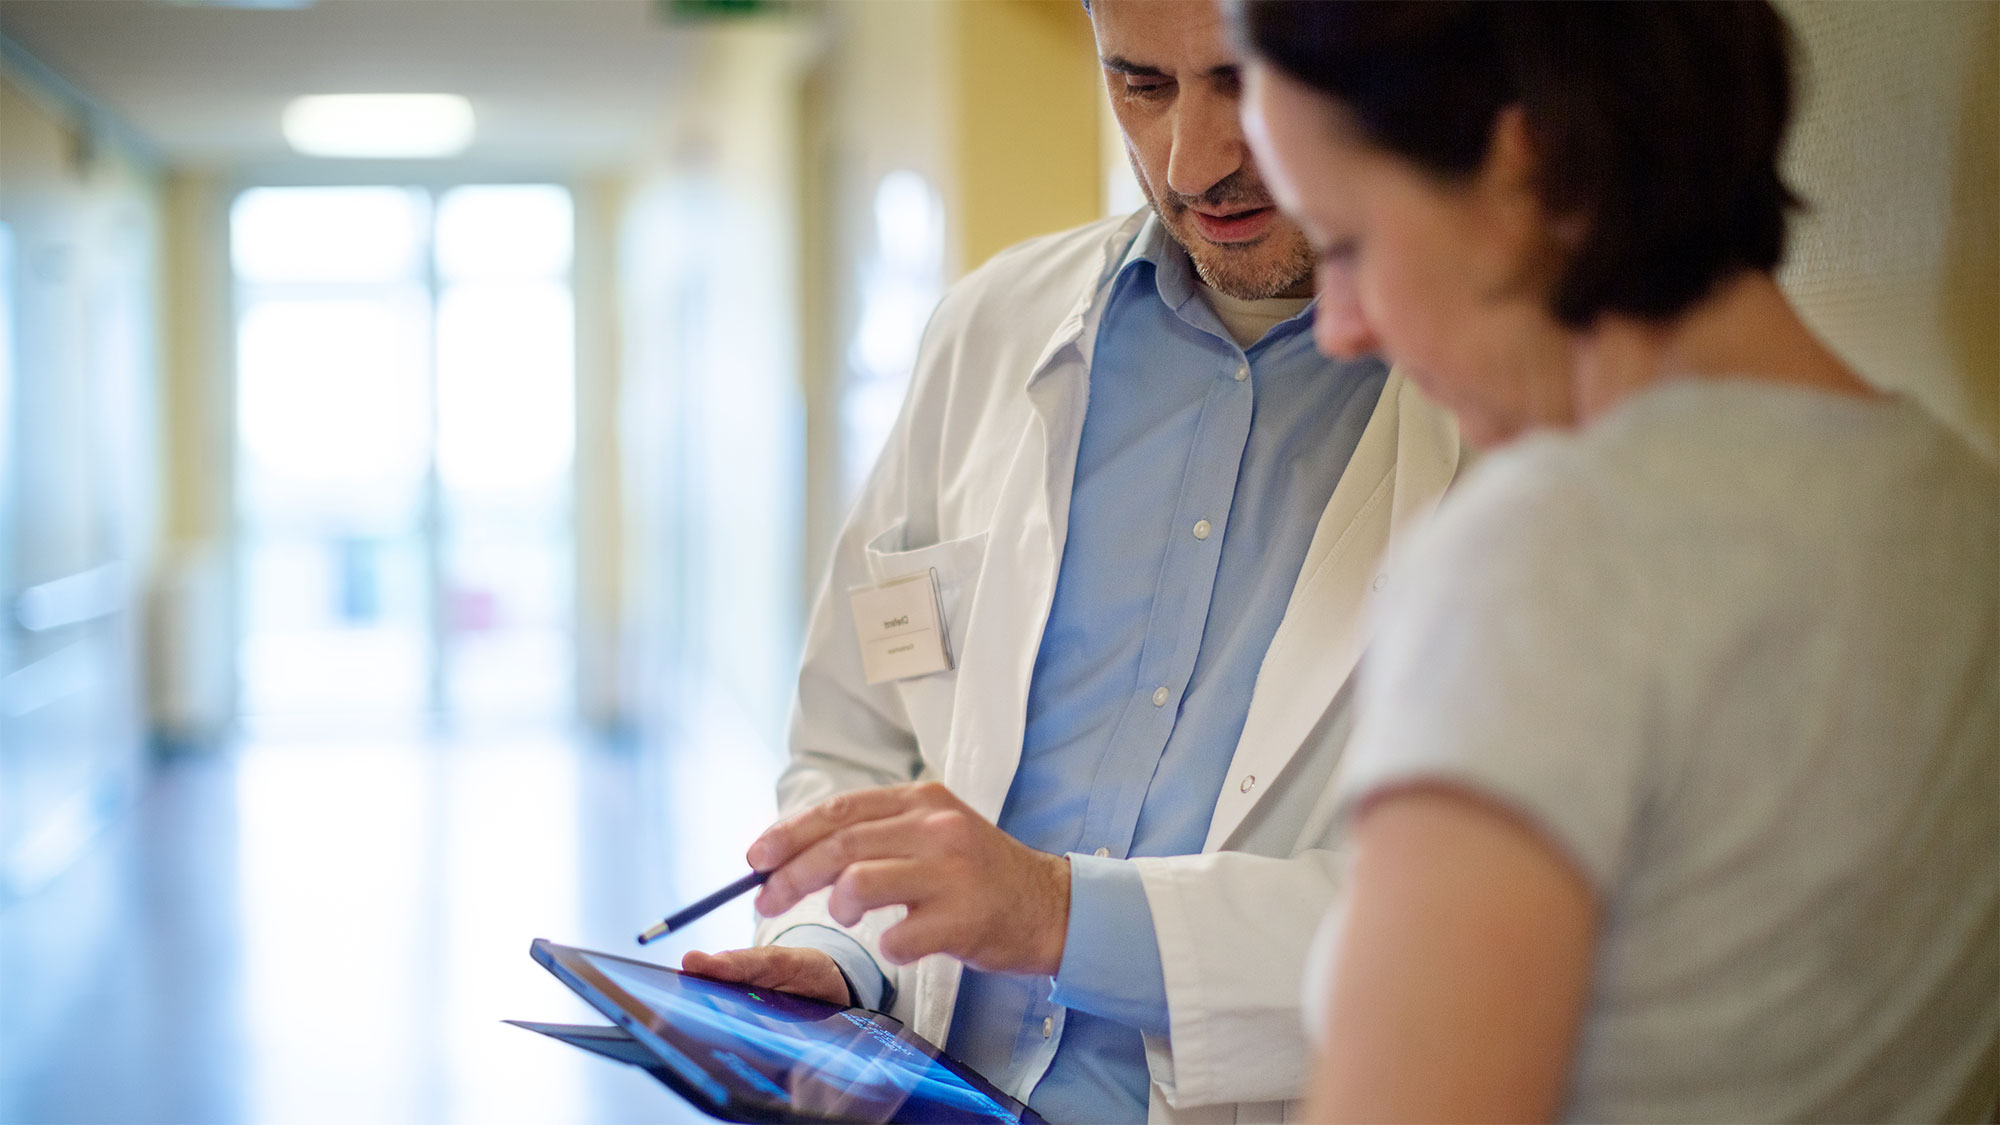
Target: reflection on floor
{"points": [[332, 931]]}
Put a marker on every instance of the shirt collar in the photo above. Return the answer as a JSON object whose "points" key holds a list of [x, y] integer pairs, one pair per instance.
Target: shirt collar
{"points": [[1173, 273]]}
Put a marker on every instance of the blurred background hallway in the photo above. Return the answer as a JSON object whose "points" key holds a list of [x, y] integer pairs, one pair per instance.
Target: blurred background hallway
{"points": [[408, 521], [331, 930], [408, 510]]}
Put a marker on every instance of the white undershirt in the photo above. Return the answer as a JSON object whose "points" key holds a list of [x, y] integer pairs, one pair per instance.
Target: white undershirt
{"points": [[1247, 321]]}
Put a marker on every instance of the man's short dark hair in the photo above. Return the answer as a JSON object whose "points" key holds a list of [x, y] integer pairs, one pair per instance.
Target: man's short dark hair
{"points": [[1658, 122]]}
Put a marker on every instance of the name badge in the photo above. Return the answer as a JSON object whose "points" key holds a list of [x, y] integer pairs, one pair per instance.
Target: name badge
{"points": [[902, 628]]}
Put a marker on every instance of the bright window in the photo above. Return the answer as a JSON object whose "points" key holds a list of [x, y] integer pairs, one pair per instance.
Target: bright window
{"points": [[405, 433]]}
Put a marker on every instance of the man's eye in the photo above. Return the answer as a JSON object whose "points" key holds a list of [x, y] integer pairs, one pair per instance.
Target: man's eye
{"points": [[1147, 89]]}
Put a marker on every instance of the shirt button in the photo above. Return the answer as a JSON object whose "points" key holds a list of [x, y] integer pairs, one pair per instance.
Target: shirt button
{"points": [[1159, 697], [1249, 779], [1242, 372], [1048, 1026], [1101, 853], [1381, 580], [1201, 529]]}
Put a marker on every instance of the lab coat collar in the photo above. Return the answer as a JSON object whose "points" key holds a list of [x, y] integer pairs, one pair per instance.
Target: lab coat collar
{"points": [[1090, 302]]}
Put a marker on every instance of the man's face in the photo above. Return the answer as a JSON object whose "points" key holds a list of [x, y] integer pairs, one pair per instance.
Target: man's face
{"points": [[1174, 87]]}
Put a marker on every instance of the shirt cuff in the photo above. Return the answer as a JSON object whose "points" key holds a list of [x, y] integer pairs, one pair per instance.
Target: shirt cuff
{"points": [[867, 987], [1111, 957]]}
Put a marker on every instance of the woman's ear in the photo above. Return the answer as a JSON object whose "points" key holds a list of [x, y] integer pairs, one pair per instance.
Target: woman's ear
{"points": [[1511, 160], [1511, 180], [1514, 164]]}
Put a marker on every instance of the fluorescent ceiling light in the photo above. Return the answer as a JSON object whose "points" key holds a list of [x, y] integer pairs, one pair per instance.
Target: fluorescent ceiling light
{"points": [[246, 5], [379, 125]]}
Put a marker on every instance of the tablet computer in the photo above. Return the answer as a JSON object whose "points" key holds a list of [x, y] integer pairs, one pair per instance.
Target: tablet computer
{"points": [[753, 1054]]}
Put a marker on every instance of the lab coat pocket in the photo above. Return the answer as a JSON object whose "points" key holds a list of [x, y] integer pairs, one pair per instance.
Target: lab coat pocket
{"points": [[927, 699]]}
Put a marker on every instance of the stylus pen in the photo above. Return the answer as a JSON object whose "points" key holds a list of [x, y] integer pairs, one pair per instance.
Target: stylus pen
{"points": [[684, 916]]}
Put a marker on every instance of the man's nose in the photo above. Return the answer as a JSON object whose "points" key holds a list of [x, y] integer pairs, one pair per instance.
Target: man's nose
{"points": [[1208, 143]]}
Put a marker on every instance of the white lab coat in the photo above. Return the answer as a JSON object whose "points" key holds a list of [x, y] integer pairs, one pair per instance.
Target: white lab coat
{"points": [[975, 483]]}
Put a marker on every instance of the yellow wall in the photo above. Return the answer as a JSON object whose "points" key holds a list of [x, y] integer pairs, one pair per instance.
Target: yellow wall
{"points": [[1897, 152], [601, 591], [996, 104], [199, 431], [1025, 93]]}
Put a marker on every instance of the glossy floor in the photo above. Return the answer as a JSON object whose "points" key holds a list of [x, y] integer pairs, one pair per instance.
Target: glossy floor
{"points": [[306, 931]]}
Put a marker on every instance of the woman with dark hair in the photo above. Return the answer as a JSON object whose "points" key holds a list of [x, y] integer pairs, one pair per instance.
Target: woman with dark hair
{"points": [[1676, 791]]}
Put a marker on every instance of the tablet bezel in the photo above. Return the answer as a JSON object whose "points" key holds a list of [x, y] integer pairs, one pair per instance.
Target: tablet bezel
{"points": [[636, 1018]]}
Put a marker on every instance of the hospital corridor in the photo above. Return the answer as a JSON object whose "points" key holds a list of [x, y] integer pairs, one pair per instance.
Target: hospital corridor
{"points": [[407, 519], [333, 931], [427, 428]]}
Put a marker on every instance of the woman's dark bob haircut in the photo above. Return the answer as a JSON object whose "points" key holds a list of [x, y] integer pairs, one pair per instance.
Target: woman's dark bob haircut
{"points": [[1656, 123]]}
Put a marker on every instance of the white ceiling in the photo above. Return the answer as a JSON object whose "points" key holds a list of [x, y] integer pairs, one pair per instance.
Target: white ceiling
{"points": [[556, 84]]}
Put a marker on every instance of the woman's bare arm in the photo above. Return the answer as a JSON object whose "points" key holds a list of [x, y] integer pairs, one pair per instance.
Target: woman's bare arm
{"points": [[1462, 970]]}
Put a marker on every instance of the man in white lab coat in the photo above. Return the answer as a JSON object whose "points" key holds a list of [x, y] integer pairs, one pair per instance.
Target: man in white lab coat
{"points": [[1076, 685]]}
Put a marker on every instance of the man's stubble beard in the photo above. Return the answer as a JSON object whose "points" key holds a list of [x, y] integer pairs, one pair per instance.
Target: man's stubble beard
{"points": [[1251, 271]]}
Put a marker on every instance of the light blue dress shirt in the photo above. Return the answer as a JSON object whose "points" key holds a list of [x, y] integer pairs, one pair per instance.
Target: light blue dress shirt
{"points": [[1200, 479]]}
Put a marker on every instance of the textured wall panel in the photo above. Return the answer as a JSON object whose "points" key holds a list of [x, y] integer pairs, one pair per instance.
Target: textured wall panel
{"points": [[1897, 152]]}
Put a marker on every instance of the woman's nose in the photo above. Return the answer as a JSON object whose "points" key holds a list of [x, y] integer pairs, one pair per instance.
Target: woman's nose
{"points": [[1340, 330]]}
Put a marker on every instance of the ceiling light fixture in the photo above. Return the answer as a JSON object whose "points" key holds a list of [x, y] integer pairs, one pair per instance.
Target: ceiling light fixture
{"points": [[245, 5], [406, 126]]}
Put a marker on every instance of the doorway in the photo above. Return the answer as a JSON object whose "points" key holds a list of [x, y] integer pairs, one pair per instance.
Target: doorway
{"points": [[405, 433]]}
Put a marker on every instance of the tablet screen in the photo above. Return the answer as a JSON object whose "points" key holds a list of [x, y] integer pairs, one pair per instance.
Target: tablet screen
{"points": [[760, 1053]]}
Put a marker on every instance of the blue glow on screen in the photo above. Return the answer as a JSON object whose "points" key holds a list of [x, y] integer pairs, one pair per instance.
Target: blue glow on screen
{"points": [[811, 1056]]}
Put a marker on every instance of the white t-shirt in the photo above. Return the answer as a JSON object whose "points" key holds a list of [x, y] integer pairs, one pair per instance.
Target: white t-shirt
{"points": [[1736, 650], [1248, 320]]}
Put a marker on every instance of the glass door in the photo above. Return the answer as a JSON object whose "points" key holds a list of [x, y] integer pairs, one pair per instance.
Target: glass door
{"points": [[405, 430], [506, 402]]}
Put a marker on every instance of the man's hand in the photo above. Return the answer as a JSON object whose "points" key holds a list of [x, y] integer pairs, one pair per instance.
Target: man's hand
{"points": [[973, 891], [802, 972]]}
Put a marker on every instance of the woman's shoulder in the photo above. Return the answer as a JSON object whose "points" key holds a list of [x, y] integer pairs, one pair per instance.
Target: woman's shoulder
{"points": [[1547, 494], [1714, 426], [1731, 486], [1730, 457]]}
